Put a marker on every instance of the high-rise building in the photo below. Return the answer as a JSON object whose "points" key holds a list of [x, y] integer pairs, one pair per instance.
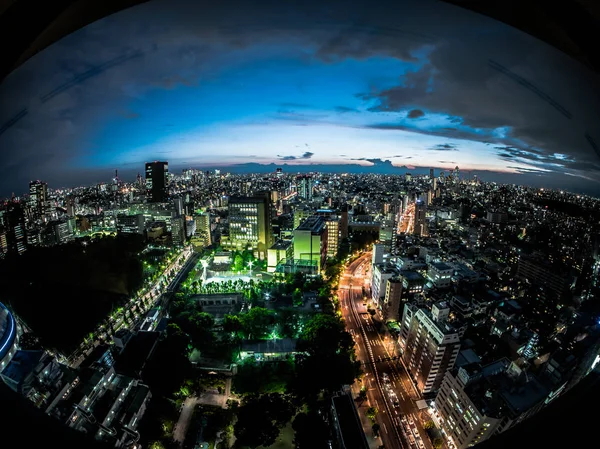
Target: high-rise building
{"points": [[14, 222], [178, 230], [333, 235], [378, 253], [3, 243], [38, 200], [310, 242], [379, 277], [301, 214], [429, 346], [203, 230], [305, 187], [538, 270], [420, 226], [431, 174], [250, 224], [156, 181], [131, 224], [475, 402], [393, 299], [178, 204]]}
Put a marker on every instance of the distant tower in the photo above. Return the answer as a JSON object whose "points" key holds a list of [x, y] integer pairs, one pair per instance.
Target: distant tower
{"points": [[456, 173], [431, 174], [156, 181]]}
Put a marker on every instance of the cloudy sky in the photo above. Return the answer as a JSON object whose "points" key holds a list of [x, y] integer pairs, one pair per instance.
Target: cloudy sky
{"points": [[345, 86]]}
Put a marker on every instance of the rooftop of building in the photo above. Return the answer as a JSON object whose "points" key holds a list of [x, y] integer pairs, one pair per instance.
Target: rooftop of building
{"points": [[281, 245], [95, 356], [386, 268], [412, 276], [466, 357], [503, 391], [134, 401], [441, 266], [134, 356], [313, 224], [276, 346], [349, 423], [444, 327]]}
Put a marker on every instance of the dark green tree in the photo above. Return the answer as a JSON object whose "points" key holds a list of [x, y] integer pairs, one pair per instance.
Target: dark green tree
{"points": [[232, 323], [327, 360], [297, 297], [311, 432], [260, 419], [375, 427], [372, 413], [258, 322]]}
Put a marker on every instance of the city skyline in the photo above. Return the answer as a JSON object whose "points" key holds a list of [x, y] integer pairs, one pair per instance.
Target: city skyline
{"points": [[250, 89]]}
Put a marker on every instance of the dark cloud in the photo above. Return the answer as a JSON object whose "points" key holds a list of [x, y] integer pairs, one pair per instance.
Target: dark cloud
{"points": [[447, 162], [451, 133], [344, 109], [415, 113], [509, 100], [305, 155], [374, 161], [444, 147]]}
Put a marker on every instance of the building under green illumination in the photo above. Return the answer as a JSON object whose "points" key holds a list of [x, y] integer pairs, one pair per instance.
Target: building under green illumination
{"points": [[310, 241]]}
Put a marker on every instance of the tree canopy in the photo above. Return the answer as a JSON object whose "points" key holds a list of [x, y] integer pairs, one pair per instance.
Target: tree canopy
{"points": [[330, 361], [260, 419]]}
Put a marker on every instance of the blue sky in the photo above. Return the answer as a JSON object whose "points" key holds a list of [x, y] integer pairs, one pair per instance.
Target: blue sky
{"points": [[415, 85]]}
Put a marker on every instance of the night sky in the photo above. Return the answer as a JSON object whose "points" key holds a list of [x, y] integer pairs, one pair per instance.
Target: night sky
{"points": [[245, 85]]}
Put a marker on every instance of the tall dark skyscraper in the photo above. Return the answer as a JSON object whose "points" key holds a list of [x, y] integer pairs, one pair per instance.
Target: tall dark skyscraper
{"points": [[420, 226], [38, 200], [156, 181], [14, 222]]}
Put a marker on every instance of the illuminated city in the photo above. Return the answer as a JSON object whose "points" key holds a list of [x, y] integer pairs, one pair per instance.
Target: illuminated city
{"points": [[230, 236]]}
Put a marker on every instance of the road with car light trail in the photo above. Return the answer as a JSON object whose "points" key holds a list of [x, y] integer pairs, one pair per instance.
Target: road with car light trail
{"points": [[389, 388]]}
